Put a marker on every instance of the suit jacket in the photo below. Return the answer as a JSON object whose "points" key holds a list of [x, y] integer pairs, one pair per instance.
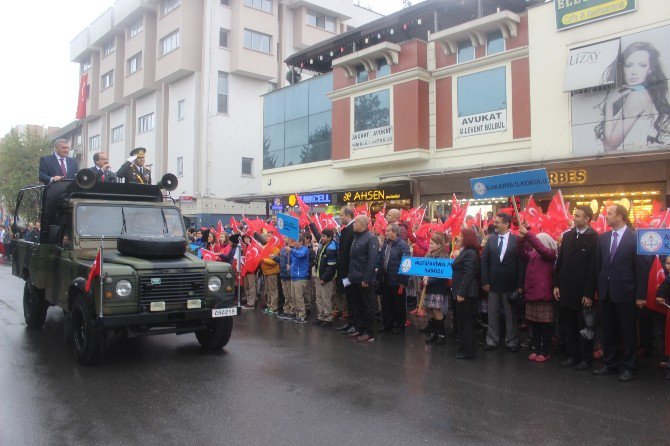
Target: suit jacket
{"points": [[573, 266], [346, 240], [109, 176], [465, 277], [50, 167], [624, 279], [505, 276], [131, 173]]}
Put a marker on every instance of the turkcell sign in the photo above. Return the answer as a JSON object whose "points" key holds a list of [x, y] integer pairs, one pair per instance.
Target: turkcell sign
{"points": [[518, 183], [653, 242], [288, 226], [316, 198], [426, 266]]}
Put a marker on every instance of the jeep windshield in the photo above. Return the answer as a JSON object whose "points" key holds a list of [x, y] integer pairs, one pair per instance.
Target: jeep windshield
{"points": [[111, 221]]}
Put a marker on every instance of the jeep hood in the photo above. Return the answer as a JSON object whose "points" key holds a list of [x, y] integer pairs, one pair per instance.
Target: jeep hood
{"points": [[186, 261]]}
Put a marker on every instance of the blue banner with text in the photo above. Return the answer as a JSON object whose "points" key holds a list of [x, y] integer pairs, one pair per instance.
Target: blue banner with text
{"points": [[426, 266], [518, 183]]}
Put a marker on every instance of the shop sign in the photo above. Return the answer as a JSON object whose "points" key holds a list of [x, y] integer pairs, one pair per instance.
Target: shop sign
{"points": [[481, 123], [570, 13], [567, 177], [186, 199], [518, 183], [373, 195], [276, 204], [653, 242], [424, 266], [316, 198], [379, 136]]}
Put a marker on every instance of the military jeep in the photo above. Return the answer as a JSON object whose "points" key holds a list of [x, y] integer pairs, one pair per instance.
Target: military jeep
{"points": [[148, 283]]}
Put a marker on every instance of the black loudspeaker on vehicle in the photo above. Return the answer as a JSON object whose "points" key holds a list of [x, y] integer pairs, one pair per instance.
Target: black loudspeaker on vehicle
{"points": [[168, 182], [85, 178]]}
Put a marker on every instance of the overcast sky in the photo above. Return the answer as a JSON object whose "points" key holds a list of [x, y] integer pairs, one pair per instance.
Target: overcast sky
{"points": [[39, 83]]}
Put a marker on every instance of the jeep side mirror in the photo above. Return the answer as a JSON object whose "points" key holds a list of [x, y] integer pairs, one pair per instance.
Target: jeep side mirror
{"points": [[54, 231]]}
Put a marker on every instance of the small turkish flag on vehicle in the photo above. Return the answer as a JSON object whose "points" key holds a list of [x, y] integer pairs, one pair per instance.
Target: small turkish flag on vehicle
{"points": [[95, 272]]}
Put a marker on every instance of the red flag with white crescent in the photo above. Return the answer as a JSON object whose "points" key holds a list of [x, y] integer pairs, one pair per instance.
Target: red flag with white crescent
{"points": [[95, 272], [81, 102]]}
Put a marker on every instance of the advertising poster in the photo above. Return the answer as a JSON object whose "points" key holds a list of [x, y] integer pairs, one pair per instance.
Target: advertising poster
{"points": [[633, 115], [570, 13]]}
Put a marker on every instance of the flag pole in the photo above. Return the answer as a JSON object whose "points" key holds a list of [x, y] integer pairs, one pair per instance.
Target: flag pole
{"points": [[102, 280], [516, 210]]}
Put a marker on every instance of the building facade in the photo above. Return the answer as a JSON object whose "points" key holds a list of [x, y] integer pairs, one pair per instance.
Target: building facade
{"points": [[443, 92], [185, 79]]}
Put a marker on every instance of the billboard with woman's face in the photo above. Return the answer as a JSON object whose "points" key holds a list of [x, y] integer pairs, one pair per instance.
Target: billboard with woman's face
{"points": [[633, 113]]}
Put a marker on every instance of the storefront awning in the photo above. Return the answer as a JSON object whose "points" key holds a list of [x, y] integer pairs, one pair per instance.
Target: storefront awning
{"points": [[592, 66]]}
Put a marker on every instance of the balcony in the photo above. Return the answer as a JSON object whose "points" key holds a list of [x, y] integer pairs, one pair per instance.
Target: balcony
{"points": [[80, 45], [368, 58], [127, 10], [102, 28], [475, 30]]}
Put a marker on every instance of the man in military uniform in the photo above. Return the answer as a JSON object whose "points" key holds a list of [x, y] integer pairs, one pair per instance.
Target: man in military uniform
{"points": [[133, 169]]}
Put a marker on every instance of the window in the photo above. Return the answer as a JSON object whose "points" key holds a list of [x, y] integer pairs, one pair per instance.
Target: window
{"points": [[372, 110], [94, 143], [257, 41], [117, 134], [223, 38], [247, 165], [384, 69], [322, 21], [222, 93], [170, 42], [297, 123], [85, 65], [145, 123], [108, 47], [180, 109], [136, 27], [135, 63], [495, 43], [107, 80], [361, 74], [482, 102], [263, 5], [466, 51], [77, 141], [225, 2], [168, 6], [180, 166]]}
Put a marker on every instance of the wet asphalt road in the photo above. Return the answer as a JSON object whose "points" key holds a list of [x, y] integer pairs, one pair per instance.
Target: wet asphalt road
{"points": [[280, 383]]}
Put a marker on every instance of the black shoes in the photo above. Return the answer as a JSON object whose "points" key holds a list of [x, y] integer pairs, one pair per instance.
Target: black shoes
{"points": [[570, 362], [583, 365], [626, 376], [398, 330], [604, 370], [513, 348], [490, 347]]}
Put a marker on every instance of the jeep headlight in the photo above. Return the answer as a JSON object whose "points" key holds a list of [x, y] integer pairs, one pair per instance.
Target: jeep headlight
{"points": [[229, 276], [214, 284], [123, 288]]}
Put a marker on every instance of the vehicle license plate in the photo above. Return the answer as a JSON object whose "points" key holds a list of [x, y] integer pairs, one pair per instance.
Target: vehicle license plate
{"points": [[223, 312]]}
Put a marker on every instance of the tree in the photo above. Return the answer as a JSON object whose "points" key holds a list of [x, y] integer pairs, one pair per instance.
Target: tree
{"points": [[19, 161], [319, 141], [269, 159], [370, 113]]}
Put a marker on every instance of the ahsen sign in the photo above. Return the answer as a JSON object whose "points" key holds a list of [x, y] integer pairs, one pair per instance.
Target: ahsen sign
{"points": [[481, 123], [373, 137]]}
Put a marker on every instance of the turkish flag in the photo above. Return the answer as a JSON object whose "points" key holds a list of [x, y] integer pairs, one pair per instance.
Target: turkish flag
{"points": [[95, 271], [533, 215], [327, 221], [81, 102], [234, 225], [254, 226], [317, 221], [415, 216], [252, 257], [656, 278], [380, 224], [219, 230], [362, 209], [478, 218], [209, 256]]}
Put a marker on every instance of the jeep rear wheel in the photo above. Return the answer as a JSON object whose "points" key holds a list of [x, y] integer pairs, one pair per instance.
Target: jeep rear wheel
{"points": [[216, 335], [34, 306], [87, 339]]}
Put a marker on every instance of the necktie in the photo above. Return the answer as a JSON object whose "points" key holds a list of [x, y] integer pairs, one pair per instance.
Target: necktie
{"points": [[62, 166], [500, 245], [102, 175], [615, 244]]}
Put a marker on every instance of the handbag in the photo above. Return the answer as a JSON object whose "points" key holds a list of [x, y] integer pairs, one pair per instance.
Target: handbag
{"points": [[516, 298]]}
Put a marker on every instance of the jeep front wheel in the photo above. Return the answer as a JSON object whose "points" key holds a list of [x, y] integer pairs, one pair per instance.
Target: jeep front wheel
{"points": [[34, 306], [88, 340], [216, 335]]}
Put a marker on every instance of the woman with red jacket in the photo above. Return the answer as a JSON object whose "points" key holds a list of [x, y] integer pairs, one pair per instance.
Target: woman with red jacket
{"points": [[539, 253]]}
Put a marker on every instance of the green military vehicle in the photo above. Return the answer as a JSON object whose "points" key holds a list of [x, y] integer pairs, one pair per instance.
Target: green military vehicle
{"points": [[148, 283]]}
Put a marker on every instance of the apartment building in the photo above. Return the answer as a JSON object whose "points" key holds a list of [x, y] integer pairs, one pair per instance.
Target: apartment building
{"points": [[185, 80]]}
